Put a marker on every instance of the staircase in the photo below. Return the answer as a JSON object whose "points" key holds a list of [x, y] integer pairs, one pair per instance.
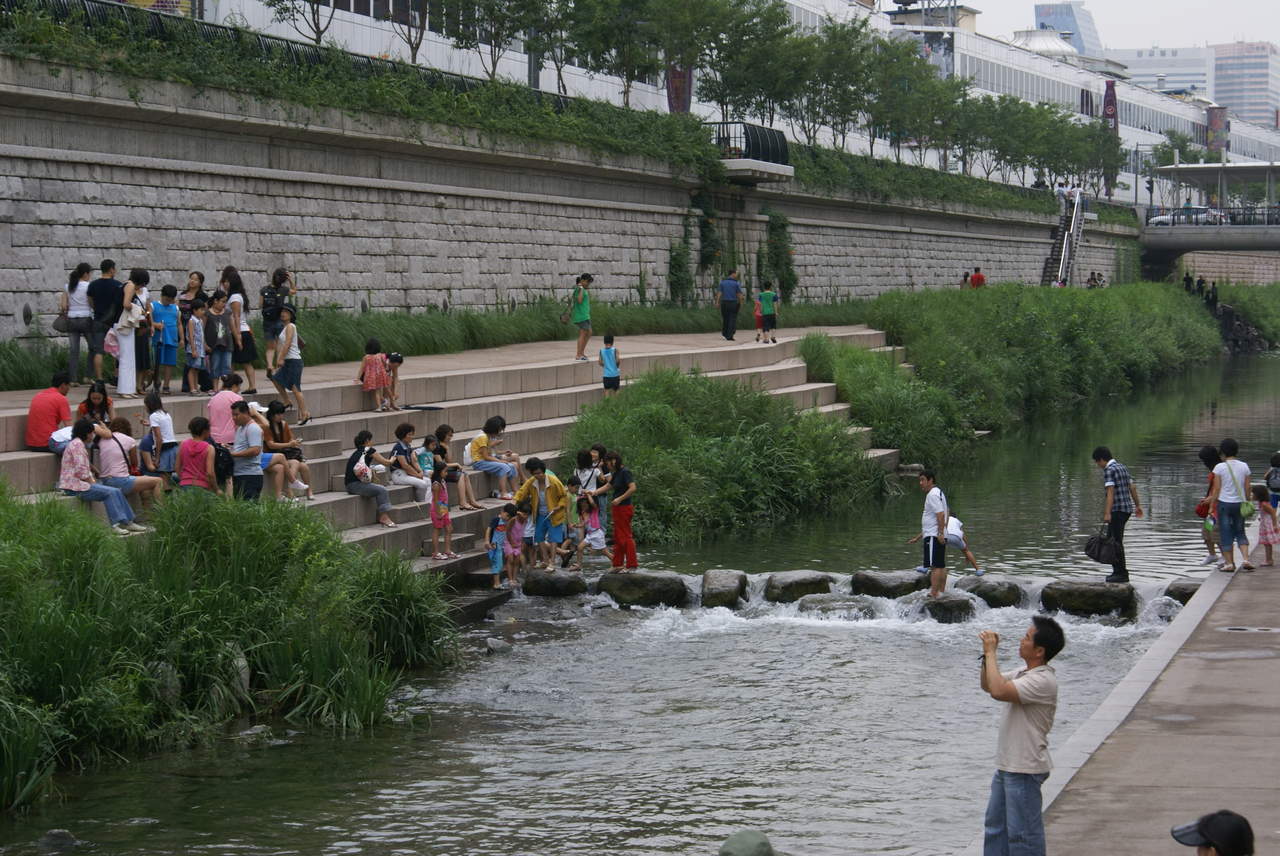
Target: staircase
{"points": [[1060, 264], [539, 402]]}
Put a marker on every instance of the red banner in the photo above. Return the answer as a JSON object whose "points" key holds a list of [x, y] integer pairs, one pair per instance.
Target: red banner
{"points": [[1110, 110]]}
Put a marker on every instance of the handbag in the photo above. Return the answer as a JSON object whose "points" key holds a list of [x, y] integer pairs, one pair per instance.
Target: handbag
{"points": [[134, 469], [1247, 508], [1202, 508], [568, 308], [1103, 548], [111, 344], [61, 324]]}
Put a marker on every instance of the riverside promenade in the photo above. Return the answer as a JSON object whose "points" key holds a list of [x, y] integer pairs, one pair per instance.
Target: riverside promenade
{"points": [[1193, 728]]}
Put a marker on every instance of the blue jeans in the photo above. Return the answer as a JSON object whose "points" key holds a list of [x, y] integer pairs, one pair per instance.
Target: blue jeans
{"points": [[1231, 526], [118, 510], [219, 363], [1014, 825]]}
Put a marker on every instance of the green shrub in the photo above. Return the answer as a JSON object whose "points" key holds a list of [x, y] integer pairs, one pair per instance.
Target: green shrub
{"points": [[712, 456], [1257, 304], [228, 609]]}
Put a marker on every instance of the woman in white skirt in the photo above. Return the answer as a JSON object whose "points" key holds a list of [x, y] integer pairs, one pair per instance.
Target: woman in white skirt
{"points": [[132, 314]]}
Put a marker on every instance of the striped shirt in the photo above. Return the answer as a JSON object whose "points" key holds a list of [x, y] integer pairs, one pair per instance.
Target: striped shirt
{"points": [[1115, 475]]}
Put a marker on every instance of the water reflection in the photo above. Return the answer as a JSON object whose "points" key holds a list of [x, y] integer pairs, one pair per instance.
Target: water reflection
{"points": [[660, 732]]}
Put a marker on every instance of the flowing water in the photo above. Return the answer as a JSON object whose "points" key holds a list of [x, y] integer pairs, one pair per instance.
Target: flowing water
{"points": [[662, 731]]}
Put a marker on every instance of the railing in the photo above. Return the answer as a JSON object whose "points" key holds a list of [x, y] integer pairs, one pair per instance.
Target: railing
{"points": [[1069, 237], [751, 142], [1200, 215]]}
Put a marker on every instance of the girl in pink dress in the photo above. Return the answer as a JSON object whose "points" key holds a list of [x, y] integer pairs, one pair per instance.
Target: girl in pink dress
{"points": [[1268, 531], [374, 376], [440, 521]]}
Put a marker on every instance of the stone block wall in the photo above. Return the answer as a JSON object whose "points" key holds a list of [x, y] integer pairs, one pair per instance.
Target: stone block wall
{"points": [[1251, 268], [373, 212]]}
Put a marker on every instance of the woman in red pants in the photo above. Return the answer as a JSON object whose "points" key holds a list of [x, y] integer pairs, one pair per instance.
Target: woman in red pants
{"points": [[624, 487]]}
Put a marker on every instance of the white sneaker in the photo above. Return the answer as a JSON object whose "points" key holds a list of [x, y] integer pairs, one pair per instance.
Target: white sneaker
{"points": [[136, 527], [297, 485], [921, 569], [1210, 560], [120, 529]]}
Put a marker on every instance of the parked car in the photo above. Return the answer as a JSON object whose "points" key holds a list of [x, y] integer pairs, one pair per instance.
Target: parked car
{"points": [[1194, 216]]}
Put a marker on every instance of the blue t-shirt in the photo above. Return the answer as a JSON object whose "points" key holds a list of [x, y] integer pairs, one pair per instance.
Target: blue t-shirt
{"points": [[499, 527], [730, 289], [247, 437], [609, 357], [168, 316]]}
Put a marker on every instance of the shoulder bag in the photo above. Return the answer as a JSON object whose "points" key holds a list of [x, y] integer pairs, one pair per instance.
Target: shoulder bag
{"points": [[1103, 548], [568, 307], [1247, 508], [134, 470]]}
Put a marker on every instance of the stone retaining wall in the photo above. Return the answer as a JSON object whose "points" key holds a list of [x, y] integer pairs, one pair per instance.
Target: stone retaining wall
{"points": [[1252, 268], [375, 212]]}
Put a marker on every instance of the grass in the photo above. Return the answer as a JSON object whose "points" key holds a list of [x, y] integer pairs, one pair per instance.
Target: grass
{"points": [[1258, 304], [111, 646], [991, 357], [712, 456]]}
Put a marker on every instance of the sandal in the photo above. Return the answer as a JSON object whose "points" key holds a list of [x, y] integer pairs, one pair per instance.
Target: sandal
{"points": [[453, 555], [390, 524], [1228, 569], [304, 420], [439, 557], [1247, 567], [253, 391]]}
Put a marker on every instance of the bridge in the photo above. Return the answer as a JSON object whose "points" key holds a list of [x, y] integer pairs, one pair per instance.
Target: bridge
{"points": [[1197, 227]]}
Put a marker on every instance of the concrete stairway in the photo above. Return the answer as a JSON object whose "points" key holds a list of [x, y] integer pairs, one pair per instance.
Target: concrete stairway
{"points": [[540, 402]]}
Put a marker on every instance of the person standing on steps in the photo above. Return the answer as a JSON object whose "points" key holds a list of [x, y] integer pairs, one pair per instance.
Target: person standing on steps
{"points": [[1014, 823], [1230, 490], [933, 531], [1120, 504], [106, 296], [74, 302], [730, 301], [245, 350], [580, 314]]}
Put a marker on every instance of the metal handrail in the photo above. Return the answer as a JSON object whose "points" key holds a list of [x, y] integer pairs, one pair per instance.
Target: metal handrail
{"points": [[1068, 238], [752, 142]]}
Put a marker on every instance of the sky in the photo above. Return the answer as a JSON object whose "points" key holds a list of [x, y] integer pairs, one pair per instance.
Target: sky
{"points": [[1142, 23]]}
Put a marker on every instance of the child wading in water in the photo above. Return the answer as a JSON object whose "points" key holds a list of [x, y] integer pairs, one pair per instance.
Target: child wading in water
{"points": [[1268, 530], [374, 375], [519, 548], [496, 540], [440, 521]]}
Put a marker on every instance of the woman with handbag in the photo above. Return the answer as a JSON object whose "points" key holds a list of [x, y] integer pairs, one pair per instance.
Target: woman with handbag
{"points": [[132, 316], [279, 438], [1231, 489], [75, 317], [118, 464], [358, 477]]}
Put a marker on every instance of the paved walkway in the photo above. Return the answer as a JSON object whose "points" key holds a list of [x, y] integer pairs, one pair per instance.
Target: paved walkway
{"points": [[508, 356], [1204, 736]]}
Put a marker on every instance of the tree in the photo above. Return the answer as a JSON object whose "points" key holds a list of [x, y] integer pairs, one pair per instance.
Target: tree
{"points": [[615, 37], [489, 27], [747, 69], [550, 35], [846, 52], [897, 69], [308, 18], [409, 22]]}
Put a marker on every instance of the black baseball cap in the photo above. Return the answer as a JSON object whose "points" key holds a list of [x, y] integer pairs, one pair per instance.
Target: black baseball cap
{"points": [[1225, 831]]}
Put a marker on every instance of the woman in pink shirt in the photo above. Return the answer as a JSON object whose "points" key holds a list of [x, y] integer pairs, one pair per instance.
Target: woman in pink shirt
{"points": [[222, 428], [117, 455], [76, 479], [195, 458]]}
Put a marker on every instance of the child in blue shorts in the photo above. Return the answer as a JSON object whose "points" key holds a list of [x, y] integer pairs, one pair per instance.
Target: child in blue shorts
{"points": [[1273, 480], [495, 539], [169, 335]]}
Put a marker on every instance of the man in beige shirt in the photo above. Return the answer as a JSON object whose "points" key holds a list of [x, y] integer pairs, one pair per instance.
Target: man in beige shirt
{"points": [[1014, 826]]}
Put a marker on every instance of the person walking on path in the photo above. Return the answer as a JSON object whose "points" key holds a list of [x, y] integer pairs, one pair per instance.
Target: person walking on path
{"points": [[580, 314], [624, 489], [76, 305], [730, 301], [1014, 825], [1230, 492], [769, 312], [1210, 457], [1121, 503], [933, 531]]}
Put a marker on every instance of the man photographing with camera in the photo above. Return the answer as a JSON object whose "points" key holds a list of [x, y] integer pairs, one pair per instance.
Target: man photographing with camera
{"points": [[1014, 825]]}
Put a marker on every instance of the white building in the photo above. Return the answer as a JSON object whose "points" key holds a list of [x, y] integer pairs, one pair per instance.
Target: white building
{"points": [[1179, 69]]}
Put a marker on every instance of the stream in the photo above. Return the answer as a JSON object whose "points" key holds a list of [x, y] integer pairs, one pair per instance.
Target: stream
{"points": [[610, 732]]}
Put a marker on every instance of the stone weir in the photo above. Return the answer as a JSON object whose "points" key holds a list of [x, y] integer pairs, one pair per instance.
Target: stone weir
{"points": [[867, 594], [374, 211]]}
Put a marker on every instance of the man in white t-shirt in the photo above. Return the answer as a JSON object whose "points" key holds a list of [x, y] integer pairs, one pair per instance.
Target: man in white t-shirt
{"points": [[933, 531], [1014, 825]]}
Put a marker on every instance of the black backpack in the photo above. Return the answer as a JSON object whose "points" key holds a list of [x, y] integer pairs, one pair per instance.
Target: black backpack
{"points": [[272, 301], [223, 463]]}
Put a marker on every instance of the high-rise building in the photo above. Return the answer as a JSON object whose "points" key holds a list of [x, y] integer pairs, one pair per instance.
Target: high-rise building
{"points": [[1247, 81], [1071, 17], [1170, 69]]}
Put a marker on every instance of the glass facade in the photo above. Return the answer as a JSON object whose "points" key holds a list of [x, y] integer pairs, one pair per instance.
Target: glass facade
{"points": [[1071, 18]]}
